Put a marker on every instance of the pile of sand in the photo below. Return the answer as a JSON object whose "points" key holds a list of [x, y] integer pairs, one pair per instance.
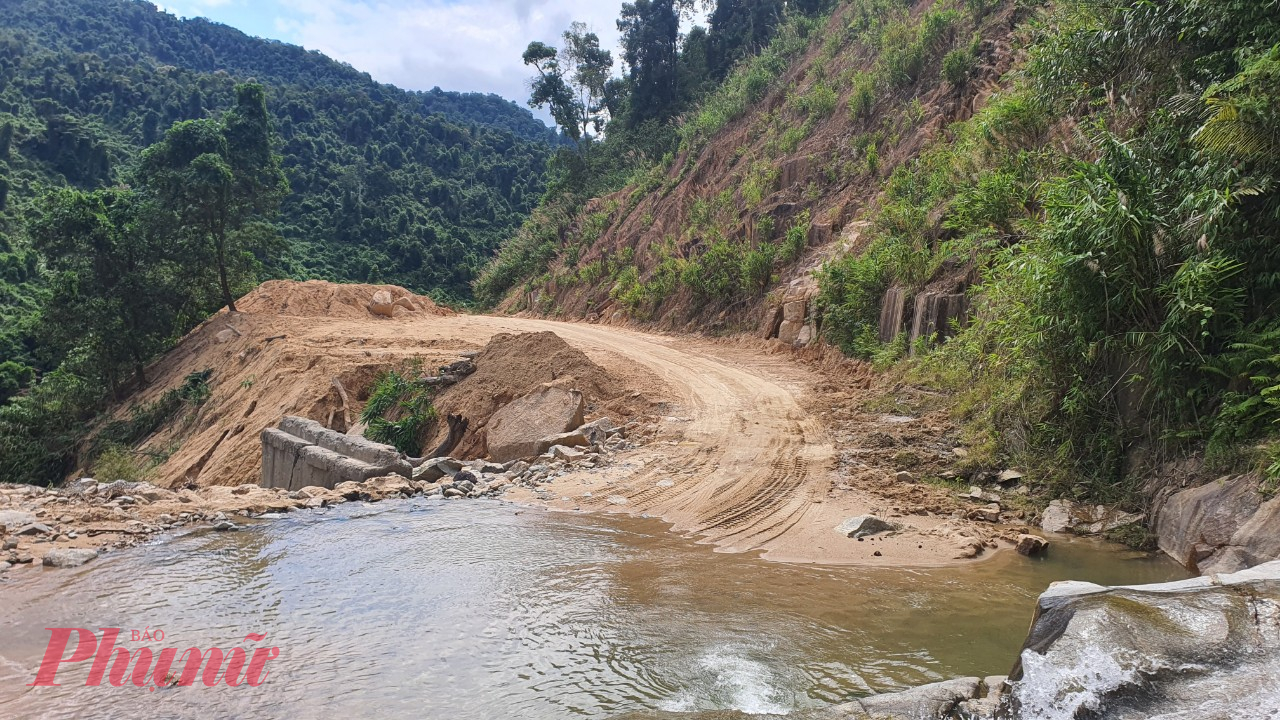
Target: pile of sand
{"points": [[316, 298], [512, 366]]}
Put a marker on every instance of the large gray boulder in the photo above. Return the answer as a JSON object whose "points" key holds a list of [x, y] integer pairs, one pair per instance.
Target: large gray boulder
{"points": [[1224, 526], [516, 431], [1206, 648]]}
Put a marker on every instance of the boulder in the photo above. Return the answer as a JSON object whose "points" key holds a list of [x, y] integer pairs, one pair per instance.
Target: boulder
{"points": [[380, 488], [1031, 544], [1208, 647], [69, 557], [349, 490], [1224, 526], [597, 431], [770, 322], [789, 332], [864, 525], [567, 454], [16, 519], [382, 304], [573, 438], [433, 470], [516, 431]]}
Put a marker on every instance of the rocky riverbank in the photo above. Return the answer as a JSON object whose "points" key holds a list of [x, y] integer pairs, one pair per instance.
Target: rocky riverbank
{"points": [[68, 527]]}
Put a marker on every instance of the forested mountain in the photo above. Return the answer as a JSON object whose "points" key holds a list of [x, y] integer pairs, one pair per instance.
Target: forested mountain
{"points": [[393, 186]]}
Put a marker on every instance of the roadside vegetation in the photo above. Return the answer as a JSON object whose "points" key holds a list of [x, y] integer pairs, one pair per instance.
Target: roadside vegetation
{"points": [[1118, 200]]}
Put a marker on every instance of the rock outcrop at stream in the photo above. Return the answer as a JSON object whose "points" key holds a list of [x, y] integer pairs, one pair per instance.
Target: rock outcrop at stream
{"points": [[1224, 526], [1201, 649]]}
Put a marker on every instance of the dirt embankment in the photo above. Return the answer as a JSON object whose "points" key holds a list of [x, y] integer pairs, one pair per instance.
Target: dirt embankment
{"points": [[747, 448]]}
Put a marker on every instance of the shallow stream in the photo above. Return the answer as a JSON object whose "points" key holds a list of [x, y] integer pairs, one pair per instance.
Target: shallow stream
{"points": [[424, 609]]}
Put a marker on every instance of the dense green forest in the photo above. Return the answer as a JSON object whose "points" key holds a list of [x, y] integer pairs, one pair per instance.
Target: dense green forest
{"points": [[106, 243], [1116, 200], [416, 189]]}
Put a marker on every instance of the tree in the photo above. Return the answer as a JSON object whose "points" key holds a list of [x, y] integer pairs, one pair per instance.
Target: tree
{"points": [[589, 68], [740, 28], [650, 47], [551, 90], [214, 179], [113, 291]]}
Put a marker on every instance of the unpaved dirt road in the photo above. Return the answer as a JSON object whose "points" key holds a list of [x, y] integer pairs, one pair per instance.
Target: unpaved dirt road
{"points": [[737, 461], [744, 465]]}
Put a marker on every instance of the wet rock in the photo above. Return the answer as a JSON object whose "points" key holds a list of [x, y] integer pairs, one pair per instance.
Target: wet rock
{"points": [[68, 557], [516, 430], [1031, 544], [226, 526], [1126, 653], [927, 701], [384, 487], [452, 493], [865, 525]]}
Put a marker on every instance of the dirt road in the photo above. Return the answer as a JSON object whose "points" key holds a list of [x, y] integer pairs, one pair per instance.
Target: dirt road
{"points": [[738, 460], [743, 465]]}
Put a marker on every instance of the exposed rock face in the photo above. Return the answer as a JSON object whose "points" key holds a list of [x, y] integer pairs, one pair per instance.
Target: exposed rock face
{"points": [[1224, 526], [938, 314], [1081, 519], [893, 314], [793, 315], [1204, 648], [516, 431]]}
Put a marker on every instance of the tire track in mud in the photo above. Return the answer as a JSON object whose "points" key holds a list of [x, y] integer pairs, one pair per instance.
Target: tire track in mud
{"points": [[750, 461]]}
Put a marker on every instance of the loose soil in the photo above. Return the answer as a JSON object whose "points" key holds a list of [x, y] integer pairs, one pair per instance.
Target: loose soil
{"points": [[755, 448]]}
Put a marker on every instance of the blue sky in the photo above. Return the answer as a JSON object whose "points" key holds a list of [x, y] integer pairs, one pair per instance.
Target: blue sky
{"points": [[465, 45]]}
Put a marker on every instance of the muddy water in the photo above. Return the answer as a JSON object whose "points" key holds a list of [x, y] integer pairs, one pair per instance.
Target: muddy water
{"points": [[419, 609]]}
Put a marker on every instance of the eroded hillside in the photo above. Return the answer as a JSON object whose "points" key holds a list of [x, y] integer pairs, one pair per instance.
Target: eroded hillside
{"points": [[764, 191]]}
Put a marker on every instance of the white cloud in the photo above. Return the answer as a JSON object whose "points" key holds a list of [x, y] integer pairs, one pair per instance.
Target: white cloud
{"points": [[464, 45]]}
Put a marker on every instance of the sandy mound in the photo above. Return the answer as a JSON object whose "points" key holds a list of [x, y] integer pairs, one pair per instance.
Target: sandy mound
{"points": [[316, 298], [512, 366]]}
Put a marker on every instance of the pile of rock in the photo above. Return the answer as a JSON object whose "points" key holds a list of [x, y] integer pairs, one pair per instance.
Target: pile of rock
{"points": [[542, 460]]}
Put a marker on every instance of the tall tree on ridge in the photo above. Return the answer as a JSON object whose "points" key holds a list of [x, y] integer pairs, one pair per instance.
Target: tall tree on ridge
{"points": [[214, 178]]}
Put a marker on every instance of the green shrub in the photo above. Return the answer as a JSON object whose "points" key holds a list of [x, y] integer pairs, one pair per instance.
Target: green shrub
{"points": [[399, 411], [864, 95]]}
